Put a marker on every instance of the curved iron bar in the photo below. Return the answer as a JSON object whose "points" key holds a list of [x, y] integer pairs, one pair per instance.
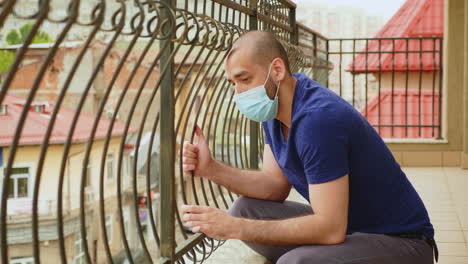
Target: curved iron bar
{"points": [[196, 32]]}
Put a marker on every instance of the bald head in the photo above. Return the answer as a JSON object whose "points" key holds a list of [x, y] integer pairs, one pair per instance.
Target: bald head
{"points": [[261, 47]]}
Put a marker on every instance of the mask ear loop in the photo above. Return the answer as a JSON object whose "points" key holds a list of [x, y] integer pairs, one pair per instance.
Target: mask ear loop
{"points": [[268, 76], [277, 89]]}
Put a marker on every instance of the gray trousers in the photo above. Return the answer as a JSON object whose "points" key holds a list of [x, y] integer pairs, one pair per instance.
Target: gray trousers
{"points": [[359, 248]]}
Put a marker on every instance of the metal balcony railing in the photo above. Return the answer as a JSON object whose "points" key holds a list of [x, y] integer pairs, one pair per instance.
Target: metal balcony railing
{"points": [[96, 99], [396, 83]]}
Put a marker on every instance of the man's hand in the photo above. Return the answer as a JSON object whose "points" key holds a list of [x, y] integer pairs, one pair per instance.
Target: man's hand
{"points": [[197, 157], [213, 222]]}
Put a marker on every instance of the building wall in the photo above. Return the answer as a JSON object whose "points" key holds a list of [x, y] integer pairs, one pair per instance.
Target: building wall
{"points": [[427, 80], [28, 155], [20, 232], [465, 94], [338, 22], [49, 250]]}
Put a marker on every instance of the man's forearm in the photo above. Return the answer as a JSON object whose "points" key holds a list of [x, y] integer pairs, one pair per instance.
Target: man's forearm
{"points": [[304, 230], [251, 183]]}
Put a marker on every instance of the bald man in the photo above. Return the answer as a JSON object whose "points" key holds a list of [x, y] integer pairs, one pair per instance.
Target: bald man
{"points": [[362, 208]]}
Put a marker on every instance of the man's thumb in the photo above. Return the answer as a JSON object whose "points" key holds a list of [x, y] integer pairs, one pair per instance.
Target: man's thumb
{"points": [[199, 133]]}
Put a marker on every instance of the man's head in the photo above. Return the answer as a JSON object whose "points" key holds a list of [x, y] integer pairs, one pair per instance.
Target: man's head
{"points": [[250, 59]]}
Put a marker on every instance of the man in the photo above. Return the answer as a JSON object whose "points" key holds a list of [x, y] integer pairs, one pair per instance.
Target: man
{"points": [[362, 207]]}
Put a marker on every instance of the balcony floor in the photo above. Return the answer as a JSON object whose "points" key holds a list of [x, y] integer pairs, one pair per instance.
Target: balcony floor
{"points": [[444, 191]]}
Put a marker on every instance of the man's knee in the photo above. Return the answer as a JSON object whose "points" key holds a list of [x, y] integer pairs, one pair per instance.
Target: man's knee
{"points": [[242, 207], [314, 254], [297, 257]]}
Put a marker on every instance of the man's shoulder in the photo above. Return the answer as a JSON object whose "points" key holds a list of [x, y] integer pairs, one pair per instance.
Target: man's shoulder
{"points": [[331, 112], [314, 97]]}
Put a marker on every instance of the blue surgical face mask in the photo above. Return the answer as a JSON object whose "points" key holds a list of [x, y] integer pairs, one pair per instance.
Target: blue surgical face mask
{"points": [[255, 103]]}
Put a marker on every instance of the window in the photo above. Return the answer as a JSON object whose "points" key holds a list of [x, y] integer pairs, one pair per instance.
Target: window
{"points": [[109, 227], [79, 253], [88, 174], [22, 260], [40, 108], [110, 166], [19, 183]]}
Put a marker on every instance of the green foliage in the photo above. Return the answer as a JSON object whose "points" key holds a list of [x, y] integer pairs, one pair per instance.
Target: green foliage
{"points": [[6, 59], [14, 37]]}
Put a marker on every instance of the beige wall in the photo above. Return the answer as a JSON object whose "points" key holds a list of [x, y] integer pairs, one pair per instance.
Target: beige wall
{"points": [[49, 250], [427, 80], [465, 101], [28, 155]]}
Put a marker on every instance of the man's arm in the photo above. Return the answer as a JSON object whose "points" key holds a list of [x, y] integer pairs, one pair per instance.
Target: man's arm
{"points": [[269, 183], [326, 226]]}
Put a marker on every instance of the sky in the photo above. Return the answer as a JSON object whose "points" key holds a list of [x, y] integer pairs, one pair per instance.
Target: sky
{"points": [[384, 8]]}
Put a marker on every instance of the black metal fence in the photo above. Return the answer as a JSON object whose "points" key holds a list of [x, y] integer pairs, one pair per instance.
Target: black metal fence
{"points": [[396, 83], [96, 99]]}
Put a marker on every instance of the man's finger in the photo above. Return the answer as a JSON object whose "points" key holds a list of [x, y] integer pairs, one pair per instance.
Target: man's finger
{"points": [[199, 229], [193, 224], [189, 161], [194, 209], [194, 217], [188, 167], [190, 147], [189, 154], [199, 133]]}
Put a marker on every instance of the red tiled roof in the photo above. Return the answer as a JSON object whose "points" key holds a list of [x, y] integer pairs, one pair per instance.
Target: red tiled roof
{"points": [[36, 124], [425, 100], [416, 18]]}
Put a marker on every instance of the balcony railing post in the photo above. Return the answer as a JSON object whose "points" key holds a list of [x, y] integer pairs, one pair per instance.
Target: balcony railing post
{"points": [[254, 127], [294, 36], [327, 52], [316, 68], [167, 135]]}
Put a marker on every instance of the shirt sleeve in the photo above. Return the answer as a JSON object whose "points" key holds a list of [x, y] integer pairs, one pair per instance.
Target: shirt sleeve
{"points": [[322, 145]]}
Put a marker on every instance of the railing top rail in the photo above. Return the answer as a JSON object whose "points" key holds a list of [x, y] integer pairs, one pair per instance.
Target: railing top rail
{"points": [[288, 3], [404, 38], [308, 29]]}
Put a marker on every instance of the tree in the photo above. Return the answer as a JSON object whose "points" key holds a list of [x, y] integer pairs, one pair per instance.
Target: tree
{"points": [[6, 59], [14, 38]]}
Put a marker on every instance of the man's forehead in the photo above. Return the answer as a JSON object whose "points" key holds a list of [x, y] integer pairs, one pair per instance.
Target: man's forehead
{"points": [[239, 61]]}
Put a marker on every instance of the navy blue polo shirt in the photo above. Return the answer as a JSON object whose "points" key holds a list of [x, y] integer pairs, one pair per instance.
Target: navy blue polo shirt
{"points": [[328, 139]]}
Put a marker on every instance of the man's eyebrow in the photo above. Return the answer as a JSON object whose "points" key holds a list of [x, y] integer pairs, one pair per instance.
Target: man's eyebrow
{"points": [[237, 75]]}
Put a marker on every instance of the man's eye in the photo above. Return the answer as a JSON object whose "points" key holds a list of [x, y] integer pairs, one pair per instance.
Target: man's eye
{"points": [[245, 79]]}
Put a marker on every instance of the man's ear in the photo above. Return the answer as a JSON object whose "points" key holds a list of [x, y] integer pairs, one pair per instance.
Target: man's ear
{"points": [[278, 69]]}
